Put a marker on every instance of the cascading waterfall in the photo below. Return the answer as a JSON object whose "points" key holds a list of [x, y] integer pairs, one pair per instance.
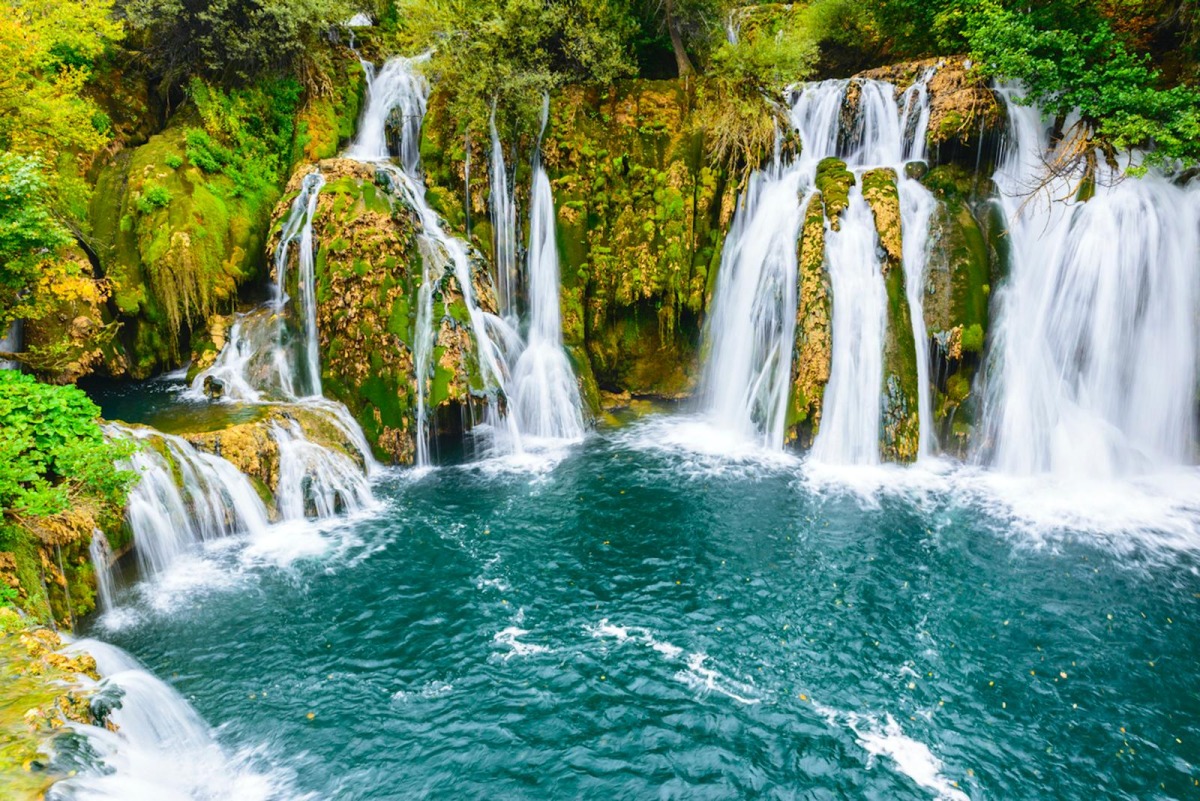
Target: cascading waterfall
{"points": [[171, 512], [753, 323], [751, 330], [101, 555], [1093, 367], [534, 375], [400, 90], [310, 483], [545, 393], [160, 747]]}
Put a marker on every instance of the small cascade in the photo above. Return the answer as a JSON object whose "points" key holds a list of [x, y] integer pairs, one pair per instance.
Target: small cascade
{"points": [[159, 746], [545, 393], [101, 555], [184, 497], [1093, 366], [751, 331], [11, 343], [312, 483], [504, 226]]}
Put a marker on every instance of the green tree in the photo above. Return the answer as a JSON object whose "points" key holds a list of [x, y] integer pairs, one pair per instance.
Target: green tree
{"points": [[507, 53], [233, 42], [29, 230]]}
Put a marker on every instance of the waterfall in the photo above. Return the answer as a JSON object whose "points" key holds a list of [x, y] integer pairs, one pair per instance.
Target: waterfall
{"points": [[159, 746], [745, 383], [1093, 364], [184, 497], [400, 89], [545, 392], [534, 377], [850, 425], [311, 484], [11, 343], [101, 555], [504, 226], [253, 366], [750, 333]]}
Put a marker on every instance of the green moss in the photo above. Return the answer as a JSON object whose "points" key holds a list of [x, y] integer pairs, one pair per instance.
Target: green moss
{"points": [[879, 190], [833, 181], [812, 354], [638, 233], [972, 339], [900, 418]]}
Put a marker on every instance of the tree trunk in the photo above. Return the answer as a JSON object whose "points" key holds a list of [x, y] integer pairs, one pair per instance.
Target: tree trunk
{"points": [[682, 62]]}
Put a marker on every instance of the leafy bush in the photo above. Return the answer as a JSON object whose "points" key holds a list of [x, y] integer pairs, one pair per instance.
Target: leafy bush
{"points": [[54, 453], [174, 161], [247, 133], [153, 197]]}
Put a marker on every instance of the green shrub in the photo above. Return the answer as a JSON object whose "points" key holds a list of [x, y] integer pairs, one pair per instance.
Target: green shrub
{"points": [[153, 197], [174, 161], [53, 452], [204, 152]]}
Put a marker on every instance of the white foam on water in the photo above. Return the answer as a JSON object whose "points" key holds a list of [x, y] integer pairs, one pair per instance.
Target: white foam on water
{"points": [[510, 638], [695, 674], [883, 737], [703, 448], [705, 680]]}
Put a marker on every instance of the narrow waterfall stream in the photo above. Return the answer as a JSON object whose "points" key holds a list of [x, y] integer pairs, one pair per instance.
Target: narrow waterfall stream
{"points": [[1094, 364], [504, 226], [545, 392], [532, 374], [751, 330]]}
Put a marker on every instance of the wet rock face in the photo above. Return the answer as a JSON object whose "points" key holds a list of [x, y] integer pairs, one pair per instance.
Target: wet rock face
{"points": [[966, 119], [369, 264], [813, 352]]}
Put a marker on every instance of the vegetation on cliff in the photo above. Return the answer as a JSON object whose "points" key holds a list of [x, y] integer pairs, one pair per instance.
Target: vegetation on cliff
{"points": [[58, 484]]}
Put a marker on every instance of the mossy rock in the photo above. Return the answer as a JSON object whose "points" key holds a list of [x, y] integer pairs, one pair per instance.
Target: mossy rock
{"points": [[175, 243], [813, 352], [833, 182], [41, 691], [879, 190], [900, 403]]}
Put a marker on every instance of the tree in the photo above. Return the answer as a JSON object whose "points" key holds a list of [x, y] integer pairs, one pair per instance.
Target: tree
{"points": [[233, 42], [29, 230]]}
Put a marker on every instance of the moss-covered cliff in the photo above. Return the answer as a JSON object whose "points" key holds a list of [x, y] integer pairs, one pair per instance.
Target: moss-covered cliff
{"points": [[641, 219], [178, 223]]}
